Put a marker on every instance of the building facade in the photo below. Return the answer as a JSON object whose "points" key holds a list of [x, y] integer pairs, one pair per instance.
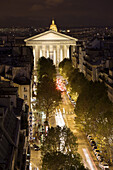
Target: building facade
{"points": [[13, 129], [96, 63], [51, 44], [18, 69]]}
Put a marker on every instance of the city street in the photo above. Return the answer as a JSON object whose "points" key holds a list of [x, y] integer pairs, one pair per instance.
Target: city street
{"points": [[67, 110], [56, 85], [35, 160], [65, 116]]}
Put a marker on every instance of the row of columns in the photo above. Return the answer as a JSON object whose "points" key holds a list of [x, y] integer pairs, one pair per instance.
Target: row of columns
{"points": [[56, 53]]}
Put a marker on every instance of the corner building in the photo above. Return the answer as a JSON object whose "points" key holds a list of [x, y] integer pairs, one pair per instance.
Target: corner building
{"points": [[51, 44]]}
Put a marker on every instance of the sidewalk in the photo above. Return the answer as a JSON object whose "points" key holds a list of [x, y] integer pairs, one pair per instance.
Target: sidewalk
{"points": [[35, 159], [81, 139]]}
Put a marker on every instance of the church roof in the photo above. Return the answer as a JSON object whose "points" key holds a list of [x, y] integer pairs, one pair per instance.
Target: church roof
{"points": [[50, 36]]}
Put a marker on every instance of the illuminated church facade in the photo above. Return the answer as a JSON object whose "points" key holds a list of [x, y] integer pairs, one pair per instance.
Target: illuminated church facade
{"points": [[51, 44]]}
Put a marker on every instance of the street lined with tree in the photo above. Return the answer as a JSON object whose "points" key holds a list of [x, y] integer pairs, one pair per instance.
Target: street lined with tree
{"points": [[94, 111], [48, 96], [59, 147]]}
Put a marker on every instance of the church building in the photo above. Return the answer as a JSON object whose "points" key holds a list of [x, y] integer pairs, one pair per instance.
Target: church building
{"points": [[51, 44]]}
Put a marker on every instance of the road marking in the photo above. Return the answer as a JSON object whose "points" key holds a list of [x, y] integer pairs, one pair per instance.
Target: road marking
{"points": [[87, 155], [33, 165], [59, 119]]}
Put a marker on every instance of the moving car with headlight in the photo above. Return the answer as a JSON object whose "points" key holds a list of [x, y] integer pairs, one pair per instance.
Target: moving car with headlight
{"points": [[104, 165]]}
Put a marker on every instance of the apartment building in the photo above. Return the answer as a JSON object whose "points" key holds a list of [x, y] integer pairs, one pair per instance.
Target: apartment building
{"points": [[13, 129], [16, 64], [95, 61]]}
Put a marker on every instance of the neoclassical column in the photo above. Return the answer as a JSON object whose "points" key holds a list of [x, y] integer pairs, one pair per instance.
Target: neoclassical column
{"points": [[40, 51], [51, 51], [47, 49], [54, 56], [43, 51], [36, 54], [67, 51], [61, 54], [34, 57], [58, 54]]}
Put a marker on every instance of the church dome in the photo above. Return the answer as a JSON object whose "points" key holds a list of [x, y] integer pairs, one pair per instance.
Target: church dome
{"points": [[53, 26]]}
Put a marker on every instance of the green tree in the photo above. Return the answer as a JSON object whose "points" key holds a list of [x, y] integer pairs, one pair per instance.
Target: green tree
{"points": [[60, 139], [89, 105], [48, 97], [59, 150], [62, 63], [61, 161], [45, 66], [66, 68], [94, 111], [77, 81], [104, 134]]}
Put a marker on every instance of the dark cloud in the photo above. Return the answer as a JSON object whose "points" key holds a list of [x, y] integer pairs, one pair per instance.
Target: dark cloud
{"points": [[66, 12]]}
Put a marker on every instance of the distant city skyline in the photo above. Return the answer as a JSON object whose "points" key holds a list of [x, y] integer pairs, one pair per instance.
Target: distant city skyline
{"points": [[67, 13]]}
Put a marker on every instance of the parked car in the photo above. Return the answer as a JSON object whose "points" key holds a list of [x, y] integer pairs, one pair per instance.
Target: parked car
{"points": [[36, 148], [104, 165], [93, 143], [96, 151], [99, 157], [89, 137], [94, 147]]}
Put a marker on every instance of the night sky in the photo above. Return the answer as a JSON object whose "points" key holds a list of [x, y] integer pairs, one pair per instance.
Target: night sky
{"points": [[70, 13]]}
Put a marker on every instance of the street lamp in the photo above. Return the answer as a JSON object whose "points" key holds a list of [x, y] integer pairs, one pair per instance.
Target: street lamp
{"points": [[46, 126]]}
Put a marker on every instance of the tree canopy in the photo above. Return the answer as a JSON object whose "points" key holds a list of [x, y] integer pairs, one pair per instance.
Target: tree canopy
{"points": [[48, 97], [77, 81], [59, 150], [94, 110], [66, 67], [45, 66]]}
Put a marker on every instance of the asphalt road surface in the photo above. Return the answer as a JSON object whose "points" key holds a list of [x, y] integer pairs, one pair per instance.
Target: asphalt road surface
{"points": [[64, 116]]}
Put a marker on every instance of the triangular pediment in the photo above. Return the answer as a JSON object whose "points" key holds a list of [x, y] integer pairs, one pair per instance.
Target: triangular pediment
{"points": [[51, 36]]}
